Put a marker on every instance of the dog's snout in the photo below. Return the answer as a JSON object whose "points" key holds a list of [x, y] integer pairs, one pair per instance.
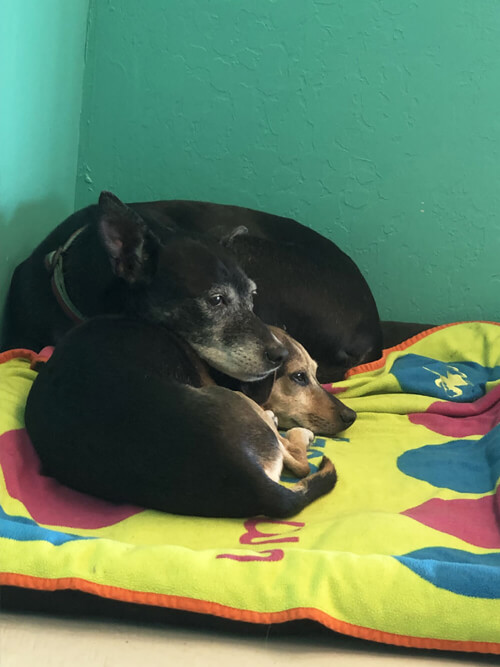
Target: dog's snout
{"points": [[276, 354], [348, 416]]}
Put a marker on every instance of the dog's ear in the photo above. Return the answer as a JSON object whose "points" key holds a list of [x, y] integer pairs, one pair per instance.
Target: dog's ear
{"points": [[227, 239], [259, 391], [131, 246]]}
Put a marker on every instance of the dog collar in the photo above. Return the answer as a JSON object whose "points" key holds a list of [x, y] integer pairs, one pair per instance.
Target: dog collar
{"points": [[54, 264]]}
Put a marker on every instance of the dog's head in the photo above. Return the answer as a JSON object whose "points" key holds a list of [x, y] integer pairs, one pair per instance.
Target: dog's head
{"points": [[297, 398], [194, 287]]}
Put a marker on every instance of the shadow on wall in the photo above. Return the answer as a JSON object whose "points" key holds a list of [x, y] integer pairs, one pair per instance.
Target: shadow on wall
{"points": [[22, 231]]}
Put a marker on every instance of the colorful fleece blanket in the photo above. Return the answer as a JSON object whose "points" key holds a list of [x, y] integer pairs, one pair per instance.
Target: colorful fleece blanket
{"points": [[405, 550]]}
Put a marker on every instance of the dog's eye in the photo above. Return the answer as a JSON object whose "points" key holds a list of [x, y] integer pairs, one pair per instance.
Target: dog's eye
{"points": [[216, 300], [300, 378]]}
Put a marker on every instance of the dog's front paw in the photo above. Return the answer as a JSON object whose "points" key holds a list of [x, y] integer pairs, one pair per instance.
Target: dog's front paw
{"points": [[271, 415], [300, 436]]}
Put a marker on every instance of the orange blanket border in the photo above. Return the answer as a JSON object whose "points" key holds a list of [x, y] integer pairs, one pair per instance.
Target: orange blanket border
{"points": [[19, 353], [380, 363], [247, 616]]}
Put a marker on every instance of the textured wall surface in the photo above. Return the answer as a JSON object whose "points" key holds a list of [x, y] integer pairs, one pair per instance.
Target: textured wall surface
{"points": [[375, 122], [41, 77]]}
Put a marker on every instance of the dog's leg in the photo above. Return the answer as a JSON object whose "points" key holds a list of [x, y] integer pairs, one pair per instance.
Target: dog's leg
{"points": [[294, 445], [281, 502], [269, 415]]}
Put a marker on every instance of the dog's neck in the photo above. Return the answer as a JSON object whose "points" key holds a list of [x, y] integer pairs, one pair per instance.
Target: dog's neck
{"points": [[82, 279], [257, 391], [54, 264]]}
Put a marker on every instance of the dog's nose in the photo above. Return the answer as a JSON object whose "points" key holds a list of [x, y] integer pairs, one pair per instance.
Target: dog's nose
{"points": [[276, 354], [348, 416]]}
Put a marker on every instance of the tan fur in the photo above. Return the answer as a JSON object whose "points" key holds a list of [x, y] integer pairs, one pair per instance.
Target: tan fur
{"points": [[295, 447], [303, 410], [293, 450], [310, 406]]}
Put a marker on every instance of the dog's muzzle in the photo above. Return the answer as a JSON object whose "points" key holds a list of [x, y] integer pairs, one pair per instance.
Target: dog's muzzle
{"points": [[275, 355]]}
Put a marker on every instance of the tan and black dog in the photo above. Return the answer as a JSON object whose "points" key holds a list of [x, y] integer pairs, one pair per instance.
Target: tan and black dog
{"points": [[299, 403], [126, 411], [298, 399]]}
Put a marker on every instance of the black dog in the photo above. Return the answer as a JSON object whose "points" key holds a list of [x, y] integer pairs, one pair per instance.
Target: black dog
{"points": [[123, 410], [189, 285], [306, 284]]}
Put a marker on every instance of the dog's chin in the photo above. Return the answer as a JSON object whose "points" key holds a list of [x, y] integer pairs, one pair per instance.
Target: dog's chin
{"points": [[258, 378], [229, 366], [239, 374], [233, 366], [287, 422], [318, 427]]}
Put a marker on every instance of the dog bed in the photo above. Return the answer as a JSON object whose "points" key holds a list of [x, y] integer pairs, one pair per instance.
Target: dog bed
{"points": [[405, 550]]}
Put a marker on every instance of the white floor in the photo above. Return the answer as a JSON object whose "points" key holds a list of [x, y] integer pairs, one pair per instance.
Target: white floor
{"points": [[47, 641]]}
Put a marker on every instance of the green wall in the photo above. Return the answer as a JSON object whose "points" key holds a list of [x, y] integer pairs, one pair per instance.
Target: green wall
{"points": [[376, 122], [42, 46]]}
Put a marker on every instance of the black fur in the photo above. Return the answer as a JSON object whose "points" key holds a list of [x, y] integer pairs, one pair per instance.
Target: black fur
{"points": [[306, 284], [120, 264], [120, 412]]}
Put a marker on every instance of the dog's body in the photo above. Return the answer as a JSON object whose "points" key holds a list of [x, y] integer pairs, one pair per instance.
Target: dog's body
{"points": [[126, 408], [126, 411], [306, 284]]}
